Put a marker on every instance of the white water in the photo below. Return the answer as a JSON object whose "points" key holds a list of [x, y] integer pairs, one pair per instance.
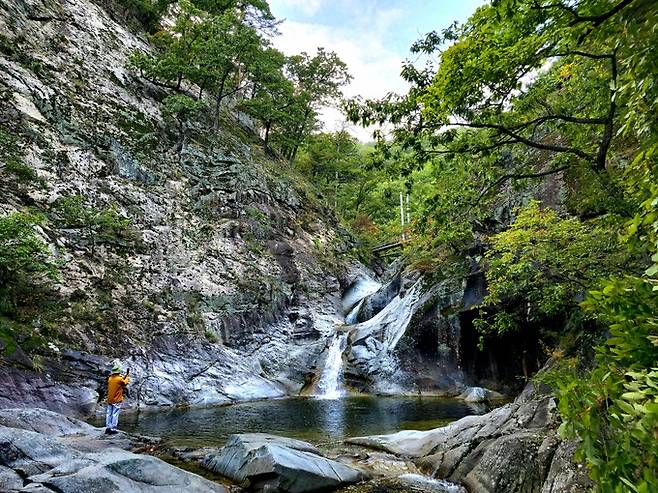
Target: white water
{"points": [[330, 385], [350, 318], [362, 287], [437, 485]]}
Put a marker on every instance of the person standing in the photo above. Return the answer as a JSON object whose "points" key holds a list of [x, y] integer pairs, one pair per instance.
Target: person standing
{"points": [[116, 384]]}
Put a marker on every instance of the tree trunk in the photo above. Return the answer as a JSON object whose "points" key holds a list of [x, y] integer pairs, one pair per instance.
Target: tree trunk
{"points": [[218, 99], [268, 126]]}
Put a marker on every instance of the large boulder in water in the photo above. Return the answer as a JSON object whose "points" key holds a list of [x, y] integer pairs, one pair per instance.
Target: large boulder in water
{"points": [[270, 463], [513, 449]]}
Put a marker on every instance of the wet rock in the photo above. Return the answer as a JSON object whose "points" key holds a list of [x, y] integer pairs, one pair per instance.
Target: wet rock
{"points": [[407, 483], [270, 463], [512, 449], [376, 302], [356, 292], [479, 394]]}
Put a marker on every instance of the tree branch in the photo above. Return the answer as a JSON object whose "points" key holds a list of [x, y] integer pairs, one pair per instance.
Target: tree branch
{"points": [[517, 176], [577, 18], [530, 143], [606, 139]]}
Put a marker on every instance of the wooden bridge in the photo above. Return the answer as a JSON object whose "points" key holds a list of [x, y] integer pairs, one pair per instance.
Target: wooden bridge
{"points": [[387, 247]]}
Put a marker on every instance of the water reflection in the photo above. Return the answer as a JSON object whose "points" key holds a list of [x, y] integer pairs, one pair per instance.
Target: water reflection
{"points": [[318, 421]]}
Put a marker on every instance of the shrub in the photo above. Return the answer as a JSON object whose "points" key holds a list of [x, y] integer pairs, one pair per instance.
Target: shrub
{"points": [[98, 225], [24, 258]]}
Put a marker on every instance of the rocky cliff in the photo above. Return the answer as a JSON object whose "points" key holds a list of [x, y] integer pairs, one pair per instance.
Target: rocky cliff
{"points": [[202, 261]]}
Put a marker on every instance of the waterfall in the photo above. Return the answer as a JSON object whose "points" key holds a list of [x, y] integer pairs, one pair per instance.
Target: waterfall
{"points": [[331, 380], [350, 318], [359, 290]]}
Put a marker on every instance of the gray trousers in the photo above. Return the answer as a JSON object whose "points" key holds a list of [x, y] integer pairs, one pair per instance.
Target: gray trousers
{"points": [[112, 415]]}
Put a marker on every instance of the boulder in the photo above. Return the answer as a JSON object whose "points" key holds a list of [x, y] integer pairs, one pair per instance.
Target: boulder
{"points": [[34, 462], [44, 421], [275, 464], [479, 394], [564, 476], [9, 479], [512, 449], [119, 470]]}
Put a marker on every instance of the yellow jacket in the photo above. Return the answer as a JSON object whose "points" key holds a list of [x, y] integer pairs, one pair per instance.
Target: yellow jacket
{"points": [[115, 385]]}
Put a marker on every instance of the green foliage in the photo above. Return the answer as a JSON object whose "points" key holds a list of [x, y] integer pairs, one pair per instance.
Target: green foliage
{"points": [[104, 225], [613, 409], [366, 199], [523, 91], [219, 48], [10, 155], [147, 12], [183, 111], [22, 172], [543, 264], [25, 260]]}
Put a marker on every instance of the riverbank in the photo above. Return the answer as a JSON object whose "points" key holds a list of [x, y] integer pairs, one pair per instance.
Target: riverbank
{"points": [[513, 448]]}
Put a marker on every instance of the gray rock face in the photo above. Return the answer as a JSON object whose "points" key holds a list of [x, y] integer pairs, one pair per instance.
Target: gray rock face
{"points": [[376, 302], [563, 476], [225, 283], [409, 344], [275, 464], [513, 449], [32, 461]]}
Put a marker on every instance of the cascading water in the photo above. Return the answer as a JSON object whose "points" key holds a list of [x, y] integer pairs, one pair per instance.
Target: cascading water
{"points": [[330, 385]]}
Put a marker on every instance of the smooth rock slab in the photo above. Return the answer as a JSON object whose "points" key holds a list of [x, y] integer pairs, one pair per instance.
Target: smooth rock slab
{"points": [[120, 471], [48, 464], [44, 421], [512, 449], [275, 464]]}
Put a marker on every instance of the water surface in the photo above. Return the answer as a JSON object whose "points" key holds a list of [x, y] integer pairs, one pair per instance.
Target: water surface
{"points": [[315, 420]]}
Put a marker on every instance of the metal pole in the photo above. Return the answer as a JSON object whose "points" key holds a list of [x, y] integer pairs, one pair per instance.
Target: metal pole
{"points": [[402, 215], [408, 212]]}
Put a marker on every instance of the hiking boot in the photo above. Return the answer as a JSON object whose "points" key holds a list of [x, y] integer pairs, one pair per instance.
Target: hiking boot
{"points": [[112, 432], [108, 431]]}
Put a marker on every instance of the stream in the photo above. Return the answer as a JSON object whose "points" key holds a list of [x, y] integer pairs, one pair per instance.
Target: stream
{"points": [[320, 421]]}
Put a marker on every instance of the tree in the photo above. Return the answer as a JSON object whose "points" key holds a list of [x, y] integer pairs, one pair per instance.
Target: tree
{"points": [[523, 76], [318, 81], [177, 54], [542, 265], [272, 93], [25, 259]]}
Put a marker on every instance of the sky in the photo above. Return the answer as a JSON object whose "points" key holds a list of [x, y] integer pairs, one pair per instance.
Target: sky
{"points": [[372, 36]]}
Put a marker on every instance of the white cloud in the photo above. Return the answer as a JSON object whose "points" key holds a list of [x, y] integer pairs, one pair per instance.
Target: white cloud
{"points": [[307, 7], [374, 67]]}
